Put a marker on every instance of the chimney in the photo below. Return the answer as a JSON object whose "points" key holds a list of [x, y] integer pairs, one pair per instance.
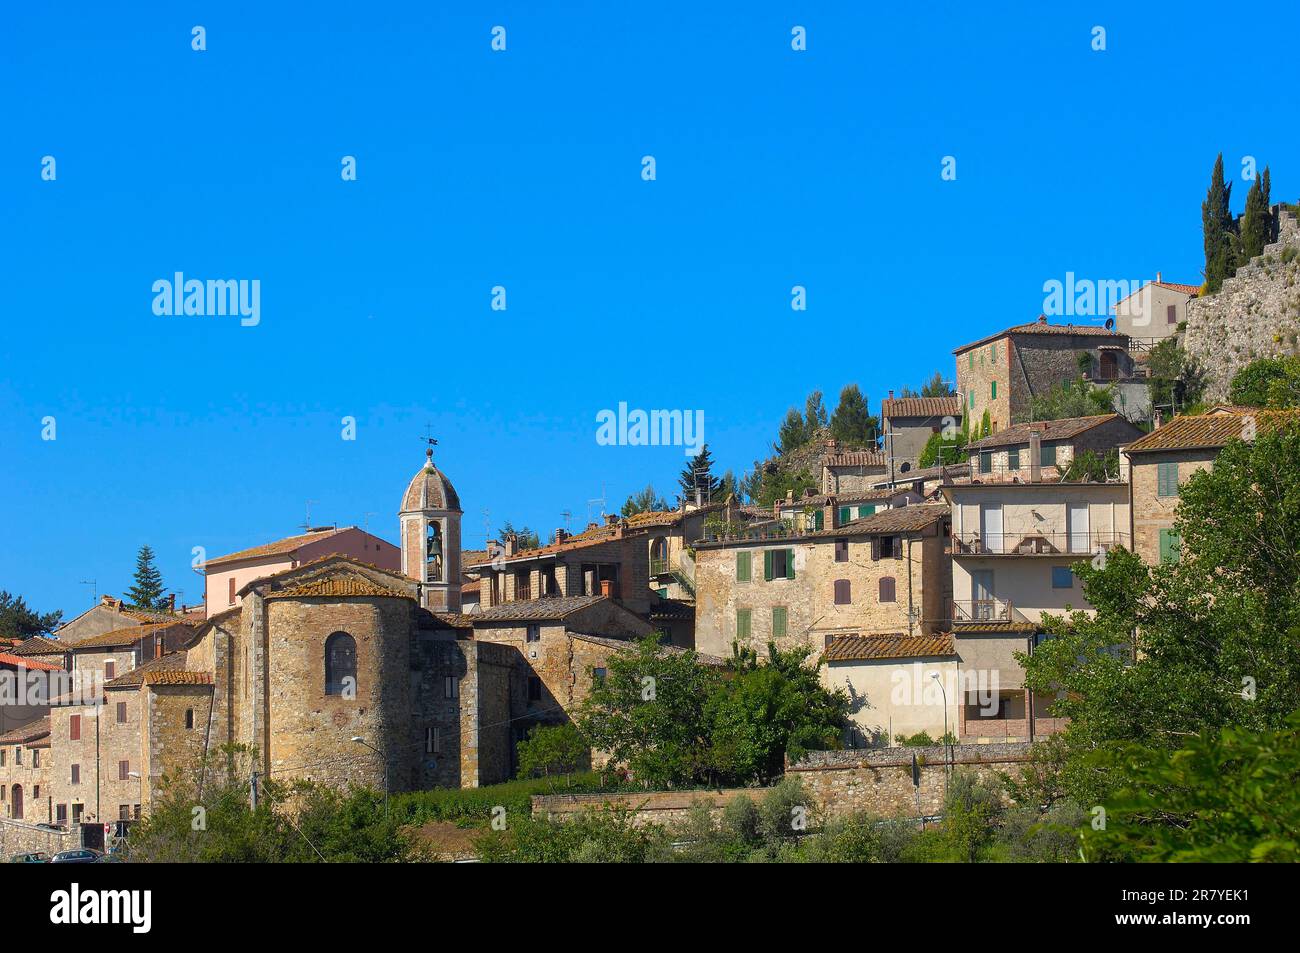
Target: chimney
{"points": [[789, 496], [561, 535], [511, 542], [832, 444], [591, 526], [1035, 456], [1042, 319], [1157, 277], [171, 603], [1157, 420], [891, 394], [611, 519], [607, 588]]}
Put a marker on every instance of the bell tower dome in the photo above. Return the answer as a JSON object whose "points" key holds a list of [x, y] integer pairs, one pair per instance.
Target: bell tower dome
{"points": [[430, 523]]}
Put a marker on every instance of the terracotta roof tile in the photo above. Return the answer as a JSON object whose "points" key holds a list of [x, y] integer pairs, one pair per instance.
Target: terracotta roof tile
{"points": [[177, 678], [337, 587], [128, 636], [904, 519], [34, 665], [1042, 327], [280, 547], [1048, 430], [992, 627], [921, 407], [536, 609], [39, 645], [172, 662], [1212, 430], [855, 648], [855, 458], [28, 732]]}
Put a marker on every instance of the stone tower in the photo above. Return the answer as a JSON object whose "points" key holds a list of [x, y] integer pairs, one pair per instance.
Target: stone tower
{"points": [[430, 521]]}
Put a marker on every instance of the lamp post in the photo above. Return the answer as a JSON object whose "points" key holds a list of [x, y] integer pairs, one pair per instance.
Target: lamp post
{"points": [[362, 741], [947, 746]]}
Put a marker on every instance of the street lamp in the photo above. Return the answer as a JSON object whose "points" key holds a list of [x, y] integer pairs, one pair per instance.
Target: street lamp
{"points": [[947, 745], [362, 741]]}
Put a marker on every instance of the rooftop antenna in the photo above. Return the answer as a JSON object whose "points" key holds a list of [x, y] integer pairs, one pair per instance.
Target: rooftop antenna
{"points": [[567, 516], [487, 526], [366, 522], [600, 499], [306, 527], [94, 589]]}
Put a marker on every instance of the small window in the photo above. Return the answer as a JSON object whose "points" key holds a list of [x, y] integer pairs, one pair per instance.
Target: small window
{"points": [[778, 564], [36, 758], [121, 713], [60, 814], [598, 675], [986, 461], [231, 596], [137, 812], [743, 617], [993, 390], [744, 566], [1171, 314], [1047, 455], [780, 622], [432, 741], [866, 511], [110, 670], [75, 775], [18, 755], [841, 550], [124, 770], [1169, 543], [845, 514], [449, 686], [124, 812], [534, 632], [1013, 459], [534, 688], [76, 813], [843, 592], [74, 728], [888, 589], [189, 718], [1062, 577]]}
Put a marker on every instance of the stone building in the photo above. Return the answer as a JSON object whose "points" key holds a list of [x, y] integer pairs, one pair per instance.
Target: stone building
{"points": [[24, 773], [909, 423], [1154, 311], [1160, 462], [108, 615], [225, 576], [1001, 373], [1043, 450], [886, 573], [851, 471]]}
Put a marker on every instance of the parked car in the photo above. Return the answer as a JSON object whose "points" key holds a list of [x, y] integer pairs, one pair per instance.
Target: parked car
{"points": [[80, 855], [34, 857]]}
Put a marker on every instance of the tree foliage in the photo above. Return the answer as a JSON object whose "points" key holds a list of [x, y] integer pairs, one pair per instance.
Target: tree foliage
{"points": [[553, 750], [852, 423], [146, 592], [18, 621], [699, 474], [646, 501], [1267, 382], [525, 538], [1218, 235], [1071, 399], [1257, 221]]}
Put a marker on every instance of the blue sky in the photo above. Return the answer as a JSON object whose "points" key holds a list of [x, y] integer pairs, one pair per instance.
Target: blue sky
{"points": [[522, 169]]}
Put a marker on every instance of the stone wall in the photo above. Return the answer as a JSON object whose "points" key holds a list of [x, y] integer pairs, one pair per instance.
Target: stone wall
{"points": [[17, 837], [1255, 314], [880, 782]]}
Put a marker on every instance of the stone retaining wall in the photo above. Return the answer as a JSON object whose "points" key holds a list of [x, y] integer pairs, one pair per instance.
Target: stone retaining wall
{"points": [[17, 837]]}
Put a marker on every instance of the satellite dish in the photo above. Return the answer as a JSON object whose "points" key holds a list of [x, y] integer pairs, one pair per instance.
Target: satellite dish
{"points": [[1110, 324]]}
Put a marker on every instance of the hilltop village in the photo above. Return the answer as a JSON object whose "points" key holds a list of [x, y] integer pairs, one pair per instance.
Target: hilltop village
{"points": [[895, 569]]}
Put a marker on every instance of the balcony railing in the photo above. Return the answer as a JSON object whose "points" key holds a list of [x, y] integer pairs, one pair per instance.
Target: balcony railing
{"points": [[660, 567], [1035, 543], [983, 610]]}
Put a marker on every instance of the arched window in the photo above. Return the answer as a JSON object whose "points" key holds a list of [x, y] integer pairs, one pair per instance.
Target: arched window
{"points": [[658, 556], [340, 663], [433, 552]]}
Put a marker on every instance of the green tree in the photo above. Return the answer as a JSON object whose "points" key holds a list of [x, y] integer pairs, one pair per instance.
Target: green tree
{"points": [[1071, 399], [852, 423], [525, 538], [1174, 378], [814, 415], [936, 386], [793, 433], [552, 749], [648, 713], [1092, 467], [776, 482], [647, 501], [727, 486], [146, 593], [1219, 238], [1224, 796], [1257, 221], [699, 474], [766, 712], [1267, 382], [17, 621]]}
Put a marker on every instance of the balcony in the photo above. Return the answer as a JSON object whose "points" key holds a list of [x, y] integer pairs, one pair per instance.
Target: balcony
{"points": [[1036, 543], [983, 610], [1010, 729], [660, 567]]}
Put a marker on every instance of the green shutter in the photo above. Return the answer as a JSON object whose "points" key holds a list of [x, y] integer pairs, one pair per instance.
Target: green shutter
{"points": [[778, 622], [1167, 479], [993, 387], [1169, 544], [972, 360], [744, 566], [972, 399], [767, 565], [844, 514], [1047, 456], [1013, 459], [819, 519], [865, 511], [986, 461], [742, 623], [789, 564]]}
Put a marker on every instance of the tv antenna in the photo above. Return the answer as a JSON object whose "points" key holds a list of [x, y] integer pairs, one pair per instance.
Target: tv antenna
{"points": [[366, 523], [94, 589], [600, 499], [567, 516], [306, 526]]}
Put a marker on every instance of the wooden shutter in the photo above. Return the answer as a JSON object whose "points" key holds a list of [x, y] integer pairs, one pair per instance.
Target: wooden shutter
{"points": [[843, 596], [898, 547], [779, 622], [742, 623], [819, 519], [841, 550], [875, 548], [1171, 314], [844, 515], [744, 567], [74, 728], [1013, 459], [767, 565], [789, 564], [1167, 479], [888, 590]]}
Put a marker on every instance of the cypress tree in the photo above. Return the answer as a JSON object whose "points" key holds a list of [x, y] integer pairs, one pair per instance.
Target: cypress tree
{"points": [[699, 472], [852, 422], [1216, 226], [1257, 222]]}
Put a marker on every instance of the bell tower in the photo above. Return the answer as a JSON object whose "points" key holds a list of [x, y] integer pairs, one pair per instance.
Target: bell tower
{"points": [[430, 526]]}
